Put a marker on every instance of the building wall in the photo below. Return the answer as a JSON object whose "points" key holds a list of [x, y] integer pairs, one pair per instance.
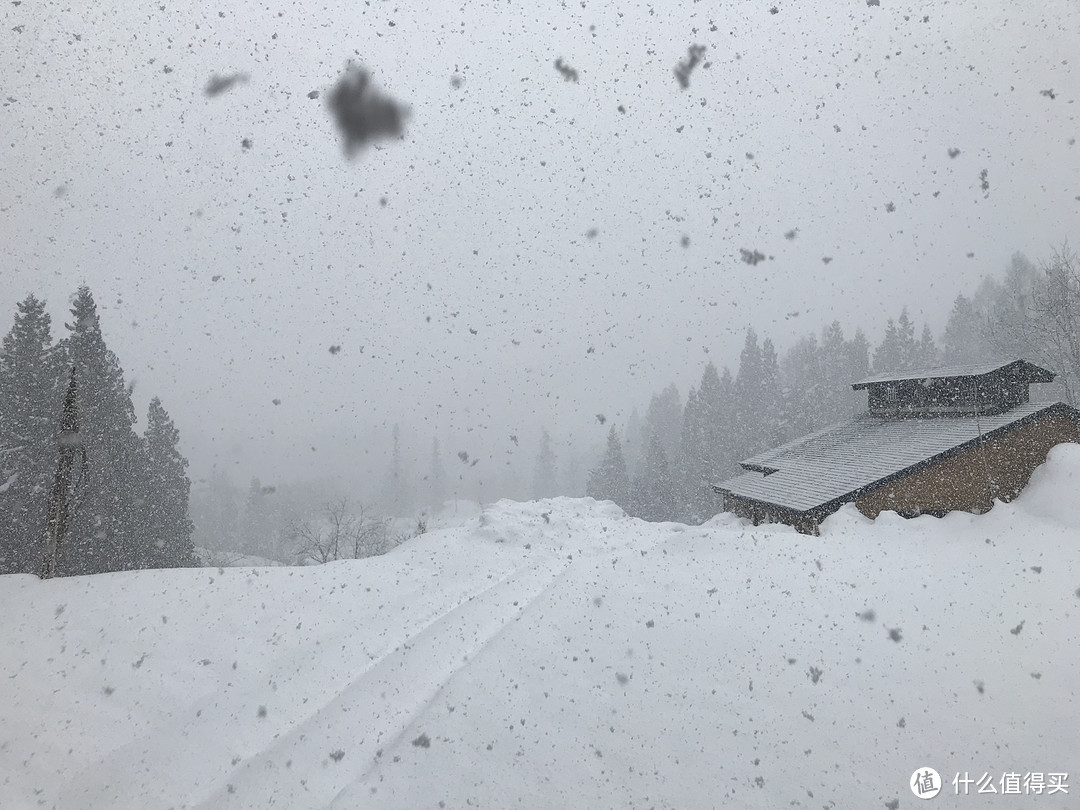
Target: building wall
{"points": [[972, 480], [758, 513]]}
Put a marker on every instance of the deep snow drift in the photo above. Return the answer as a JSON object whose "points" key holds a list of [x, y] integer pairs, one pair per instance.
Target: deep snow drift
{"points": [[559, 654]]}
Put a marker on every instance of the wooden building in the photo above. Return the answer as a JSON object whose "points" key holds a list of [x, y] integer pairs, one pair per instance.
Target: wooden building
{"points": [[931, 442]]}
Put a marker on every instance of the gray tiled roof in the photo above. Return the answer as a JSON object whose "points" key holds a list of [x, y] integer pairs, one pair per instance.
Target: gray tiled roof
{"points": [[837, 462], [968, 370]]}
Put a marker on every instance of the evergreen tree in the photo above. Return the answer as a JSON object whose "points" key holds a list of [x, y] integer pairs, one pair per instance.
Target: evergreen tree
{"points": [[166, 529], [436, 478], [655, 491], [1008, 306], [965, 334], [544, 479], [70, 473], [704, 456], [858, 369], [772, 429], [836, 371], [926, 352], [396, 497], [747, 414], [908, 348], [610, 481], [29, 404], [689, 472], [634, 440], [664, 418], [887, 356], [803, 392], [104, 528]]}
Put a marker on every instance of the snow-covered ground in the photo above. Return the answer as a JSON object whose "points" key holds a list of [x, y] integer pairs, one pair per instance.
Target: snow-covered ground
{"points": [[558, 654]]}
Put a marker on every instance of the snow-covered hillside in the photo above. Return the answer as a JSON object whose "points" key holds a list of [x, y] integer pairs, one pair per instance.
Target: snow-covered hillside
{"points": [[559, 654]]}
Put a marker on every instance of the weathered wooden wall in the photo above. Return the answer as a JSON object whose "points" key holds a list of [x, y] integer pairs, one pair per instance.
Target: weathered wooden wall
{"points": [[971, 480]]}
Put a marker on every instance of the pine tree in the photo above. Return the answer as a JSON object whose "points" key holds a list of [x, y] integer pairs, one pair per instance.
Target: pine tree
{"points": [[29, 403], [689, 474], [835, 364], [436, 478], [750, 405], [803, 392], [104, 530], [965, 335], [899, 351], [926, 352], [704, 457], [655, 491], [167, 531], [714, 403], [544, 479], [610, 481], [67, 481], [858, 351], [664, 418], [634, 440], [396, 497]]}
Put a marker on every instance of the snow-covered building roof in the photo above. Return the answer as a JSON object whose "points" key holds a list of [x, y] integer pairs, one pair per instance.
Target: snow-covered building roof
{"points": [[1028, 371], [837, 464]]}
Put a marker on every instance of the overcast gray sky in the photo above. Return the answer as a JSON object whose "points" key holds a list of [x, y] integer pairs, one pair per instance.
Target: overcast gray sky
{"points": [[224, 274]]}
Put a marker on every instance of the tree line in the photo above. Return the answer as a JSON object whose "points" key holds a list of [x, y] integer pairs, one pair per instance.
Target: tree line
{"points": [[662, 468], [121, 501]]}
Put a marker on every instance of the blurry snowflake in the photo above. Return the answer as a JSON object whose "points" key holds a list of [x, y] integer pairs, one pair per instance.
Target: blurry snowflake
{"points": [[567, 72], [361, 113], [686, 66], [953, 152], [219, 84], [751, 257]]}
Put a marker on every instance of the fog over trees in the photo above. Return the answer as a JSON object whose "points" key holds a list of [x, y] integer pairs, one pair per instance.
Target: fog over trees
{"points": [[129, 494]]}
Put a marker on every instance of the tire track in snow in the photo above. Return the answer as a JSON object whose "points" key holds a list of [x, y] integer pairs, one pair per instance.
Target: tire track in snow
{"points": [[373, 712], [96, 784]]}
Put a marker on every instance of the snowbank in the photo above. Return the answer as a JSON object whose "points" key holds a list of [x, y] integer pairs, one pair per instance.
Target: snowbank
{"points": [[560, 654]]}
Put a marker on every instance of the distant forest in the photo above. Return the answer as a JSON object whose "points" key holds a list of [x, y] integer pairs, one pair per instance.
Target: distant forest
{"points": [[128, 494]]}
